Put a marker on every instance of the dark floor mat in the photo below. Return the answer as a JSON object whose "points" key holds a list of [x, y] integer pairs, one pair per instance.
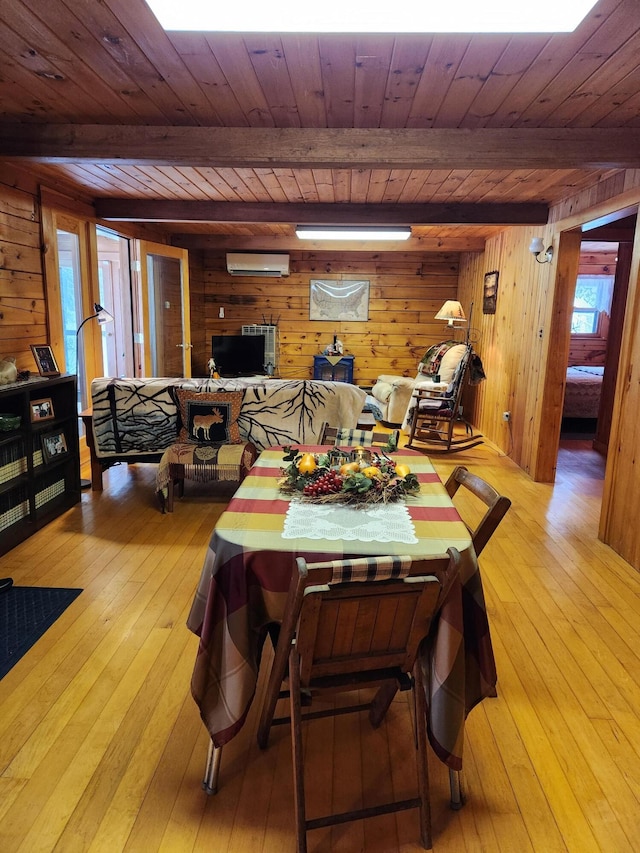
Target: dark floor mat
{"points": [[26, 612]]}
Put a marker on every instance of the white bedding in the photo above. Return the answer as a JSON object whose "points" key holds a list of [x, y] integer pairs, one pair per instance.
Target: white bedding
{"points": [[582, 394]]}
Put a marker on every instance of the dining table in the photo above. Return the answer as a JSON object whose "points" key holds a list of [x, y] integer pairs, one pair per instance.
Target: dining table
{"points": [[248, 567]]}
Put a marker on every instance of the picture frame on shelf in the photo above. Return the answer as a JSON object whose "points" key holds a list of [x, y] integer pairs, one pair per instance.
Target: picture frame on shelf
{"points": [[42, 410], [54, 446], [45, 360], [490, 293]]}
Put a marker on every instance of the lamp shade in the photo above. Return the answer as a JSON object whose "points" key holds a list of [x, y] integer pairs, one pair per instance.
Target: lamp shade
{"points": [[102, 315], [536, 246], [452, 312]]}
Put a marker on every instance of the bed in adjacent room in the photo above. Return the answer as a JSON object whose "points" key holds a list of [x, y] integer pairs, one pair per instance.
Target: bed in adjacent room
{"points": [[582, 394]]}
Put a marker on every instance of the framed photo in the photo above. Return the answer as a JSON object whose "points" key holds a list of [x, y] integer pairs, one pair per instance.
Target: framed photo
{"points": [[338, 300], [490, 294], [54, 445], [45, 359], [42, 410]]}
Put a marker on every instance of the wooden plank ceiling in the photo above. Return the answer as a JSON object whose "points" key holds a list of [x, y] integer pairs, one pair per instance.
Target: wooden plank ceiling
{"points": [[454, 126]]}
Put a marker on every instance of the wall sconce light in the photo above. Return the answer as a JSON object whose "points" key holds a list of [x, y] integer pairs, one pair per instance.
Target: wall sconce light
{"points": [[452, 312], [537, 248]]}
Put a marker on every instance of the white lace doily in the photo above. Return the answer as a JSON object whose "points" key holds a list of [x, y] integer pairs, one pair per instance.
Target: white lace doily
{"points": [[385, 523]]}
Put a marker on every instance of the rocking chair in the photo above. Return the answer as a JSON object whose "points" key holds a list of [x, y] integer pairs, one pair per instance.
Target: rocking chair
{"points": [[436, 415]]}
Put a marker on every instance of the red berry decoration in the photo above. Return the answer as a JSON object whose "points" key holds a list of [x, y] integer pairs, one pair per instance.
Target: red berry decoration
{"points": [[328, 483]]}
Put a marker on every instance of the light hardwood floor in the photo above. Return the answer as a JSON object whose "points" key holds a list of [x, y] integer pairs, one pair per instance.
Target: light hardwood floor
{"points": [[102, 749]]}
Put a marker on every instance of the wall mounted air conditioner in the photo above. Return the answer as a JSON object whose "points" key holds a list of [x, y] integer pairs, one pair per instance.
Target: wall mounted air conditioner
{"points": [[246, 263]]}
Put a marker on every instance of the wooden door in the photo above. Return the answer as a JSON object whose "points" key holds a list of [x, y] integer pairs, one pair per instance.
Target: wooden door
{"points": [[164, 273]]}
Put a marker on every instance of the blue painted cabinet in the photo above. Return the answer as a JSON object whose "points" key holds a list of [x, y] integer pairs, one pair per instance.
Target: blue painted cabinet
{"points": [[341, 371]]}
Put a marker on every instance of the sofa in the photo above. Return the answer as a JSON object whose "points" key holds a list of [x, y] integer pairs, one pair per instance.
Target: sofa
{"points": [[136, 420], [390, 396]]}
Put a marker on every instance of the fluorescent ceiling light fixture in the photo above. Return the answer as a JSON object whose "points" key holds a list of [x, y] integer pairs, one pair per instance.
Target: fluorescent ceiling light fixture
{"points": [[352, 232], [362, 16]]}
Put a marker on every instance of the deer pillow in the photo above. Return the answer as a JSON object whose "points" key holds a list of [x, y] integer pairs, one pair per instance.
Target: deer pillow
{"points": [[210, 418]]}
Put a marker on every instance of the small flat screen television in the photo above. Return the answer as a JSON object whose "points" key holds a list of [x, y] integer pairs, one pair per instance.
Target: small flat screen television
{"points": [[238, 355]]}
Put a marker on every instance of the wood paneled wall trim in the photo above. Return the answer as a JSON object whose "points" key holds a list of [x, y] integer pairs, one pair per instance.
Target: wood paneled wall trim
{"points": [[405, 294], [621, 499], [617, 193], [75, 205], [23, 318], [83, 208]]}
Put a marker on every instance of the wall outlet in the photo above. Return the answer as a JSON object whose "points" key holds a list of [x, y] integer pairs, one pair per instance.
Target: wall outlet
{"points": [[506, 416]]}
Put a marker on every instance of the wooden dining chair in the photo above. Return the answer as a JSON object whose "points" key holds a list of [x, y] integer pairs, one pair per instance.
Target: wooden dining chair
{"points": [[358, 437], [352, 624], [497, 504]]}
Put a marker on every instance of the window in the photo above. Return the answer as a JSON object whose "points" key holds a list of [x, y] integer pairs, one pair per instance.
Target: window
{"points": [[82, 271], [70, 293], [115, 295], [592, 299]]}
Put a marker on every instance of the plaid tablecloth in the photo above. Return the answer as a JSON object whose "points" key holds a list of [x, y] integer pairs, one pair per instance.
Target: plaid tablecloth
{"points": [[243, 588]]}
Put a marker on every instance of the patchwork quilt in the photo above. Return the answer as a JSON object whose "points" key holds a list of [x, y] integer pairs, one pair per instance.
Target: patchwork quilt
{"points": [[582, 392], [134, 417]]}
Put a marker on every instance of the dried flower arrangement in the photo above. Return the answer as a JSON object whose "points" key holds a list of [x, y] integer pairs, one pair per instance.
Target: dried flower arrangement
{"points": [[366, 478]]}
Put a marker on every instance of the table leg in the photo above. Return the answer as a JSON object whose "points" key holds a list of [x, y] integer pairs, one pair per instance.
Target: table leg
{"points": [[212, 769], [455, 786]]}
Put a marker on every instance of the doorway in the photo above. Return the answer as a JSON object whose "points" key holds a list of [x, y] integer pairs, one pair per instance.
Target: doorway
{"points": [[164, 273], [604, 268], [590, 328], [114, 284]]}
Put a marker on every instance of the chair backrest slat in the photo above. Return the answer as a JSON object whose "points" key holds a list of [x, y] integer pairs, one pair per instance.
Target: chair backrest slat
{"points": [[364, 626], [497, 504], [353, 437], [370, 633]]}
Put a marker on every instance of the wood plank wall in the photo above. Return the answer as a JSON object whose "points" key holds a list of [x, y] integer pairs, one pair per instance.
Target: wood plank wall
{"points": [[22, 291], [513, 348], [589, 350], [622, 186], [621, 500], [511, 342], [406, 291]]}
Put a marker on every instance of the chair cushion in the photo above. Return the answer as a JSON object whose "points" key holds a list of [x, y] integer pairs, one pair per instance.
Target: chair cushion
{"points": [[442, 359], [450, 361], [210, 418], [382, 391]]}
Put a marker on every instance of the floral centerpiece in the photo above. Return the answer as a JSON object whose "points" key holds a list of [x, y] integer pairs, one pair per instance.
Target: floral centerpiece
{"points": [[361, 476]]}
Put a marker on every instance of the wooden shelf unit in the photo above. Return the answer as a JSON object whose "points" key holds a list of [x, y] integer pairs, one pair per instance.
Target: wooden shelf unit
{"points": [[35, 489]]}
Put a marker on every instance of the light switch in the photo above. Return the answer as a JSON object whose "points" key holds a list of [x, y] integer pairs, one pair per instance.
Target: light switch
{"points": [[221, 313]]}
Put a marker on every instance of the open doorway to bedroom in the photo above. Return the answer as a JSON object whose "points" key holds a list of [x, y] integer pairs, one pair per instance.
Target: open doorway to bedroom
{"points": [[590, 328], [594, 350]]}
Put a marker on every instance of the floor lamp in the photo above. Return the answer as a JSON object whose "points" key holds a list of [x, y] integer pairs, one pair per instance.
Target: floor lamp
{"points": [[102, 316]]}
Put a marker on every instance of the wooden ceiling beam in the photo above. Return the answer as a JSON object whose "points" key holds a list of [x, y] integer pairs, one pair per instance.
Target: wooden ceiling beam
{"points": [[143, 210], [329, 148]]}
